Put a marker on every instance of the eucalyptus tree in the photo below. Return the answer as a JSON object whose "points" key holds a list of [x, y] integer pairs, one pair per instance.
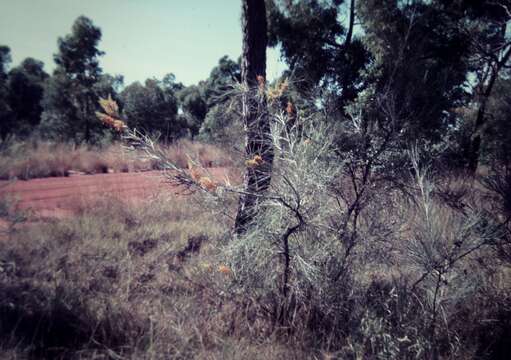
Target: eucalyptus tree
{"points": [[488, 23], [321, 47], [153, 108]]}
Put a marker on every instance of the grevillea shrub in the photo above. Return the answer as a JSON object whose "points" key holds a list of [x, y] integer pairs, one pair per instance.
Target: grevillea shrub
{"points": [[349, 254]]}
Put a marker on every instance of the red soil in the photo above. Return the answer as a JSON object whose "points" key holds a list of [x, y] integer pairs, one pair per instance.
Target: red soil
{"points": [[61, 196]]}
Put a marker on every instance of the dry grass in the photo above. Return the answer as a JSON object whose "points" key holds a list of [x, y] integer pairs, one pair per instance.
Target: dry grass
{"points": [[42, 159], [151, 280], [122, 281]]}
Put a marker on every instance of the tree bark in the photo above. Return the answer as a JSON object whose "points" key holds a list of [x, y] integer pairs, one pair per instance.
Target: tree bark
{"points": [[349, 34], [257, 175], [476, 140]]}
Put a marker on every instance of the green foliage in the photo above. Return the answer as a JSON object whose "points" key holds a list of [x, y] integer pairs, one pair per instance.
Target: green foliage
{"points": [[5, 109], [317, 47], [153, 108], [194, 106], [221, 125], [419, 66], [497, 144], [70, 99], [26, 88], [221, 80], [78, 54], [206, 106]]}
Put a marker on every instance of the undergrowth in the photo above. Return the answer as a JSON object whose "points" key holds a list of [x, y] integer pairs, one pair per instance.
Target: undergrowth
{"points": [[34, 159], [162, 280]]}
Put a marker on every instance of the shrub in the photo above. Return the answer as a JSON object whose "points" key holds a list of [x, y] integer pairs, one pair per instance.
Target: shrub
{"points": [[349, 253], [349, 257]]}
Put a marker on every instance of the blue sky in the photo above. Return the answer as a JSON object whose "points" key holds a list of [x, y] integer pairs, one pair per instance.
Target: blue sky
{"points": [[141, 38]]}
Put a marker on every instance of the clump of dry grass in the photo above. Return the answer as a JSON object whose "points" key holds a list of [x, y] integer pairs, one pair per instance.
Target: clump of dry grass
{"points": [[27, 160], [205, 154], [119, 279]]}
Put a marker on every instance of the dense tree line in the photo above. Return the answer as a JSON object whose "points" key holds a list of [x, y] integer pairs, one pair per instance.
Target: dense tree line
{"points": [[434, 72], [413, 71], [62, 106]]}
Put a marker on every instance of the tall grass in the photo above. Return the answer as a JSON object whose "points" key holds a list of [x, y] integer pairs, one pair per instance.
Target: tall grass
{"points": [[27, 160], [108, 282], [355, 253], [164, 279]]}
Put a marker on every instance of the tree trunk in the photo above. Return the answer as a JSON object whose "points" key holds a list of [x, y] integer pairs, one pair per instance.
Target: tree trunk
{"points": [[257, 175], [476, 140], [349, 34]]}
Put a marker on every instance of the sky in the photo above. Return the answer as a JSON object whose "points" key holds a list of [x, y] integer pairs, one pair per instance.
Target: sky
{"points": [[141, 38]]}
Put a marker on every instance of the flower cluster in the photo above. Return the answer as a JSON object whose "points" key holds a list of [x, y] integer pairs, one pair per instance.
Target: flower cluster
{"points": [[278, 90], [204, 181], [224, 269], [254, 162], [111, 116], [110, 106]]}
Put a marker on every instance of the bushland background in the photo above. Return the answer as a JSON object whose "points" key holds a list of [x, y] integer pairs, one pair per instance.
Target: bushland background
{"points": [[385, 232]]}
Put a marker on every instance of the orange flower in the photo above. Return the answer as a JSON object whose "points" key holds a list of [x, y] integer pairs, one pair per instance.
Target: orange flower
{"points": [[195, 174], [105, 119], [256, 161], [110, 121], [251, 163], [207, 183], [278, 90], [273, 94], [224, 269], [118, 125]]}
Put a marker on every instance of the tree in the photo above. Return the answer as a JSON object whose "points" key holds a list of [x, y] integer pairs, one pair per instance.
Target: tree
{"points": [[221, 126], [5, 109], [318, 49], [496, 135], [218, 87], [221, 123], [488, 26], [210, 100], [26, 88], [70, 99], [152, 107], [194, 106], [255, 114], [419, 65]]}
